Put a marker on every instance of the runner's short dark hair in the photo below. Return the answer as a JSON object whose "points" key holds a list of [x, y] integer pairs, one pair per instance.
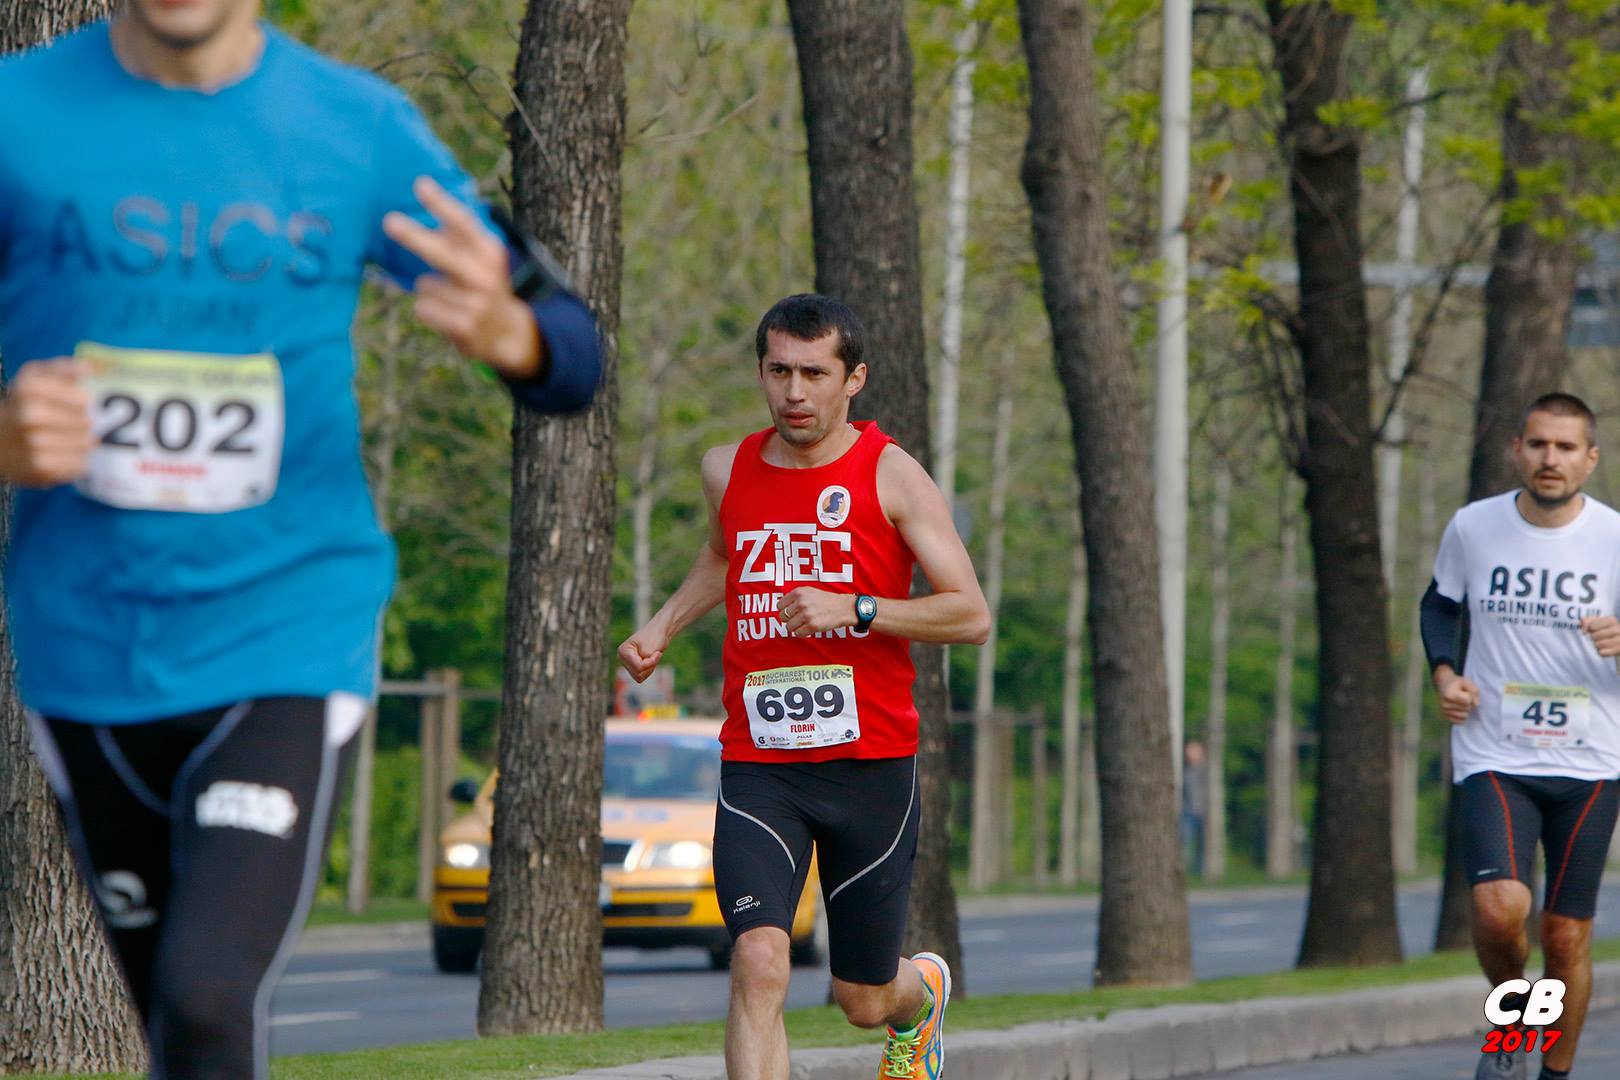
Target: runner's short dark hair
{"points": [[811, 317], [1560, 404]]}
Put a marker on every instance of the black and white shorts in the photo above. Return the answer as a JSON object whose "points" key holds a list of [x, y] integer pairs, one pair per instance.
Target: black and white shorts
{"points": [[862, 817], [202, 838], [1505, 814]]}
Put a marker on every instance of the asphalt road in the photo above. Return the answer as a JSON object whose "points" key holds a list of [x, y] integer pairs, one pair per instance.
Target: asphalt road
{"points": [[345, 999], [1598, 1056]]}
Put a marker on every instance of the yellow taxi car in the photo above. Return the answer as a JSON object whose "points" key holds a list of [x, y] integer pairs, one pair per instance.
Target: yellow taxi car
{"points": [[658, 804]]}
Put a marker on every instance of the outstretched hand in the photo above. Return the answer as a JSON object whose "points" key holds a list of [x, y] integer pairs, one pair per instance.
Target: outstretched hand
{"points": [[469, 299]]}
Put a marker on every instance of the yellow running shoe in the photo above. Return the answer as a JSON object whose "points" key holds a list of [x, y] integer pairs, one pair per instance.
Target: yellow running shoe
{"points": [[920, 1054]]}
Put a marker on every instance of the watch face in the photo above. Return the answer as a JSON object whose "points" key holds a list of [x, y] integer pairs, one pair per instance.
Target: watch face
{"points": [[866, 607]]}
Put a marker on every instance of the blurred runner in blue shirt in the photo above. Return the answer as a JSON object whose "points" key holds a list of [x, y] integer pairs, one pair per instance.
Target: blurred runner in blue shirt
{"points": [[188, 202]]}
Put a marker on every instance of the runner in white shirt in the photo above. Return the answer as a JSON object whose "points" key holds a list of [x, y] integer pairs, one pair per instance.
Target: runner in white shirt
{"points": [[1536, 738]]}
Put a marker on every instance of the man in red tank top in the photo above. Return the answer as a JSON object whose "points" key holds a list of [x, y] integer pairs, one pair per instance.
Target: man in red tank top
{"points": [[815, 527]]}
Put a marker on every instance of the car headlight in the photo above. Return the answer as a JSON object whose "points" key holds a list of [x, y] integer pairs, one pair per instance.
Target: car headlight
{"points": [[679, 855], [466, 856]]}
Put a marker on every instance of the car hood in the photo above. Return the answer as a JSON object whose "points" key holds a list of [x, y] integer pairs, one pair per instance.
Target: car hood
{"points": [[655, 820]]}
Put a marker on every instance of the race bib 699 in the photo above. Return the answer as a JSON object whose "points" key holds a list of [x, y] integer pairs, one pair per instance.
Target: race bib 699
{"points": [[799, 708]]}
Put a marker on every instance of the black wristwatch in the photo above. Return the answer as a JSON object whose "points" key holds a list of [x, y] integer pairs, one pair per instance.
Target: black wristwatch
{"points": [[865, 612], [535, 274]]}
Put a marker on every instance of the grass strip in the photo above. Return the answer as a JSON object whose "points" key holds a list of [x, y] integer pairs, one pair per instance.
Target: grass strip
{"points": [[559, 1055], [382, 910]]}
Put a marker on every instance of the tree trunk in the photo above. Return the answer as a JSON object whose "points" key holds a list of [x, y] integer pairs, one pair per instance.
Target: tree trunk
{"points": [[1281, 745], [1528, 298], [1404, 785], [855, 74], [993, 771], [1079, 839], [1408, 756], [24, 23], [643, 490], [357, 894], [1531, 287], [63, 1006], [1040, 841], [1220, 620], [956, 231], [1142, 934], [542, 960], [1351, 916]]}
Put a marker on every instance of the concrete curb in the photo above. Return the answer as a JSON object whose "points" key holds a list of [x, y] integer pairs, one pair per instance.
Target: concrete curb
{"points": [[1172, 1041]]}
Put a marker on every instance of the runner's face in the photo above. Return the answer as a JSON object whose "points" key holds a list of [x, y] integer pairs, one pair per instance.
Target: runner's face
{"points": [[806, 386], [1553, 457], [188, 24]]}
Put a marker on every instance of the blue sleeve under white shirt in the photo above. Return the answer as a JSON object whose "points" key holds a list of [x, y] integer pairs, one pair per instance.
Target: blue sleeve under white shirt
{"points": [[229, 223]]}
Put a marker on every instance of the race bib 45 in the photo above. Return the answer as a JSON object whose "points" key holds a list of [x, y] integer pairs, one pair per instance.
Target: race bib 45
{"points": [[1547, 717]]}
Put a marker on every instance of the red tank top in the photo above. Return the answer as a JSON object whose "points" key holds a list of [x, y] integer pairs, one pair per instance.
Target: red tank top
{"points": [[843, 694]]}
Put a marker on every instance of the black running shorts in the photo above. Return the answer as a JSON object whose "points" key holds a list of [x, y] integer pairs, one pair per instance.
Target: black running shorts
{"points": [[862, 818], [201, 838], [1504, 815]]}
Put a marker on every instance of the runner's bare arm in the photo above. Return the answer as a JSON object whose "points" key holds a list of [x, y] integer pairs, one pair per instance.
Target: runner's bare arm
{"points": [[705, 584], [954, 613], [45, 436]]}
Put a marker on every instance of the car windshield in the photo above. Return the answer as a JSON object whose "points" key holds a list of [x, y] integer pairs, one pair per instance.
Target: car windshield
{"points": [[662, 767]]}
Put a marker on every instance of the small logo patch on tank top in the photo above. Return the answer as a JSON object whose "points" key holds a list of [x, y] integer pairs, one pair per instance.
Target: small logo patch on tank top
{"points": [[832, 506]]}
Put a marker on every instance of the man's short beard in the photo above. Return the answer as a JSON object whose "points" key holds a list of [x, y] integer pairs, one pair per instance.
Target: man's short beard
{"points": [[799, 436], [1551, 504], [171, 41]]}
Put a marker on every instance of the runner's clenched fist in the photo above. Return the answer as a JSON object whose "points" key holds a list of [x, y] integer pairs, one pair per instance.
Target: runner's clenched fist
{"points": [[45, 435]]}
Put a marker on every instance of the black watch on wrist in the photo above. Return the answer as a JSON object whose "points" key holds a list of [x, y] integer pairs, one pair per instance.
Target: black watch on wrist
{"points": [[865, 612], [535, 274]]}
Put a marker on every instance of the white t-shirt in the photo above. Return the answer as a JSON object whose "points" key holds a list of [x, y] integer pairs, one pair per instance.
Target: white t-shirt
{"points": [[1549, 705]]}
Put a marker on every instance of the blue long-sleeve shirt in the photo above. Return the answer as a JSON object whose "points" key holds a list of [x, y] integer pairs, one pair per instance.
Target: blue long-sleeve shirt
{"points": [[230, 223]]}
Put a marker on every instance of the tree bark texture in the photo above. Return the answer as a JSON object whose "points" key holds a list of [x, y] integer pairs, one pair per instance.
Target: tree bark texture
{"points": [[1142, 923], [63, 1006], [542, 962], [1351, 915], [1531, 287], [855, 75]]}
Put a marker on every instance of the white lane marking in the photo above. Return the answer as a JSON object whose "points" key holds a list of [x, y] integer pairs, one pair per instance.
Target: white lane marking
{"points": [[311, 978], [290, 1019], [980, 937], [1240, 918], [1063, 959], [1235, 945]]}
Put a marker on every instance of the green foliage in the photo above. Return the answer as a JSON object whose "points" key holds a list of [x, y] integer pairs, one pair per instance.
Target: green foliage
{"points": [[1360, 111], [395, 817]]}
